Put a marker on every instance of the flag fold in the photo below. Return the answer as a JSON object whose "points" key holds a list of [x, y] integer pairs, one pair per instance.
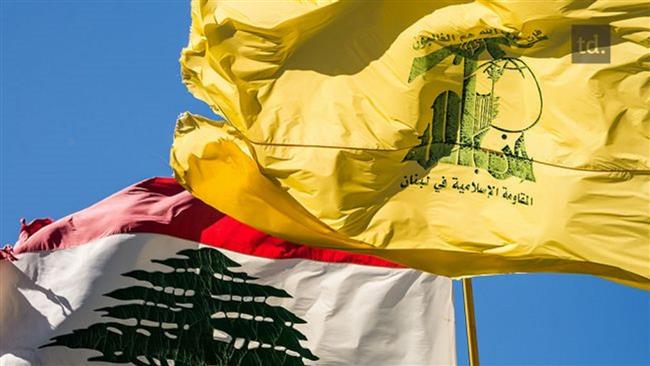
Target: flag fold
{"points": [[461, 138], [153, 276]]}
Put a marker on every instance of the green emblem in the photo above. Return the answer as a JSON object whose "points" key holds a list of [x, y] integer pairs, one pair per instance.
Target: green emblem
{"points": [[481, 127], [199, 313]]}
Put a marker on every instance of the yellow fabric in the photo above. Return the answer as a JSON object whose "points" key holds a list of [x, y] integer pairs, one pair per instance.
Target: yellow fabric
{"points": [[457, 138]]}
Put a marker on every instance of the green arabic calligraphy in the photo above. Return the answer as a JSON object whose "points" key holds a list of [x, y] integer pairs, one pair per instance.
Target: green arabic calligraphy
{"points": [[459, 124], [472, 187]]}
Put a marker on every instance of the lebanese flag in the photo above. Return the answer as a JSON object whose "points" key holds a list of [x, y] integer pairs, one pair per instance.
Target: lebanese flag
{"points": [[152, 276]]}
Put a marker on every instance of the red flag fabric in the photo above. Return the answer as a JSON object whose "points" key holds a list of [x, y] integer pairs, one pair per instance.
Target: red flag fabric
{"points": [[151, 275]]}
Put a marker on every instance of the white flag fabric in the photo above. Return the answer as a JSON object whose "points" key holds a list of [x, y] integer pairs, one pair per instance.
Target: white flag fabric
{"points": [[152, 276]]}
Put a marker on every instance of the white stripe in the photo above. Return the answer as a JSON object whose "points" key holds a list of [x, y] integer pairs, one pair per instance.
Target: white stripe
{"points": [[356, 314]]}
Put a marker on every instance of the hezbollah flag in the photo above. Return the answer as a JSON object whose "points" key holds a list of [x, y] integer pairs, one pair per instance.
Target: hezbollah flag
{"points": [[457, 137], [153, 276]]}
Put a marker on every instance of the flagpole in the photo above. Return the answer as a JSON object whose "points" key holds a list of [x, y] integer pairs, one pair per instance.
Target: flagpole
{"points": [[470, 322]]}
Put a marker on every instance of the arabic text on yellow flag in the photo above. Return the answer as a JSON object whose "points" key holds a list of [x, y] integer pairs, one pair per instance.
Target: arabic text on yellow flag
{"points": [[458, 138]]}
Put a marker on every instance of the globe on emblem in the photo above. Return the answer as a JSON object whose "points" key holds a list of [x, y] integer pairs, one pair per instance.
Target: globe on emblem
{"points": [[508, 96]]}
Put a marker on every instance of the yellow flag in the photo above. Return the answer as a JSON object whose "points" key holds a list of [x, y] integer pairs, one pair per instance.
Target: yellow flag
{"points": [[460, 138]]}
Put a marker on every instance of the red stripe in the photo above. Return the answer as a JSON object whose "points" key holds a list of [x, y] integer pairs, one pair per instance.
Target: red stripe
{"points": [[162, 206]]}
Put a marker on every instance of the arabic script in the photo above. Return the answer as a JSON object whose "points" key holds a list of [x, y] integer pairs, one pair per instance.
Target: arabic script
{"points": [[468, 187]]}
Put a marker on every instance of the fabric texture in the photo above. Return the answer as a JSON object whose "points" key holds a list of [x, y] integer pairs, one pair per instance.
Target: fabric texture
{"points": [[152, 275], [460, 138]]}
